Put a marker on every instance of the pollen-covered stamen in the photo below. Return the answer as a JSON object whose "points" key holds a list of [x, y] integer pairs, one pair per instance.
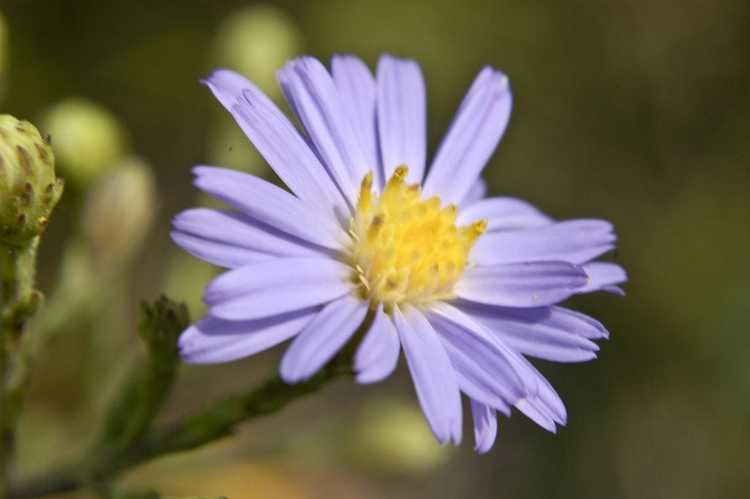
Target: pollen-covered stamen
{"points": [[408, 249]]}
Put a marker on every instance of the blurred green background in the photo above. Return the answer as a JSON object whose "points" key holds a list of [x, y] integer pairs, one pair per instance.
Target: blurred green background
{"points": [[632, 110]]}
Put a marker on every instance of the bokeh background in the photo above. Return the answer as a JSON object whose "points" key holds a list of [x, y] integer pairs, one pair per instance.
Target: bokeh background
{"points": [[631, 110]]}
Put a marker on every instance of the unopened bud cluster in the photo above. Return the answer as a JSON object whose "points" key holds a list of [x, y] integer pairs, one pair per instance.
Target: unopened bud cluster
{"points": [[256, 41], [29, 189], [118, 212], [87, 139]]}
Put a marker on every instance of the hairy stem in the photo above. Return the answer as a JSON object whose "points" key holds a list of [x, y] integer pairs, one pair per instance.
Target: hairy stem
{"points": [[18, 301], [213, 423]]}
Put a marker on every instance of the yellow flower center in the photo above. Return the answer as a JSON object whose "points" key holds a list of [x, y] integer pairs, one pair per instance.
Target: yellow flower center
{"points": [[408, 249]]}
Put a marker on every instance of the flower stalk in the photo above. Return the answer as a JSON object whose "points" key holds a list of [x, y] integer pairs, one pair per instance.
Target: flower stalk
{"points": [[29, 191], [213, 423], [127, 438], [18, 302], [150, 380]]}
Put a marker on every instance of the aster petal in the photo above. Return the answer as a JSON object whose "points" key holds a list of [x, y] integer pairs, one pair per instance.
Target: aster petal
{"points": [[472, 138], [357, 91], [214, 340], [432, 374], [546, 409], [277, 140], [312, 93], [575, 322], [217, 253], [563, 320], [227, 86], [276, 286], [270, 205], [231, 239], [604, 276], [488, 370], [377, 355], [477, 192], [503, 213], [485, 426], [535, 411], [530, 284], [402, 116], [575, 241], [322, 338], [550, 333]]}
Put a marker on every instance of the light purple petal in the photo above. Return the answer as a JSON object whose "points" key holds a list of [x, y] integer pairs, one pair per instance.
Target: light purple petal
{"points": [[574, 241], [485, 426], [546, 409], [377, 355], [477, 192], [531, 284], [556, 318], [432, 374], [575, 322], [322, 338], [270, 205], [503, 213], [313, 95], [276, 286], [536, 412], [402, 116], [488, 370], [213, 340], [604, 276], [227, 86], [238, 232], [217, 253], [549, 398], [276, 139], [472, 138], [549, 333], [357, 91]]}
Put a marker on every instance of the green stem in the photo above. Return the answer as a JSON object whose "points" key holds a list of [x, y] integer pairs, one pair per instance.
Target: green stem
{"points": [[213, 423], [221, 419], [5, 444], [150, 380], [18, 301]]}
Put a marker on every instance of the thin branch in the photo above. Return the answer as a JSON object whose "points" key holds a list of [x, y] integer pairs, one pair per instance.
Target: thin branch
{"points": [[215, 422]]}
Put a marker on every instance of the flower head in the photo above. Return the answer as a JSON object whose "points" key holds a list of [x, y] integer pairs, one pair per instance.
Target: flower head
{"points": [[29, 189], [466, 286]]}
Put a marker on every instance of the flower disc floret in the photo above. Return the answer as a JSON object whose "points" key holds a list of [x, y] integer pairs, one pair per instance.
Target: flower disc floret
{"points": [[408, 249]]}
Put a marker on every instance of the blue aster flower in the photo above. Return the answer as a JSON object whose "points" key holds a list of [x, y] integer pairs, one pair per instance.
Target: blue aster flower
{"points": [[467, 287]]}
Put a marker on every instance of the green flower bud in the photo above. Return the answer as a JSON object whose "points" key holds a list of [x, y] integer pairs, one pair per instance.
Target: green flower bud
{"points": [[118, 213], [256, 41], [29, 189], [393, 436], [87, 139]]}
